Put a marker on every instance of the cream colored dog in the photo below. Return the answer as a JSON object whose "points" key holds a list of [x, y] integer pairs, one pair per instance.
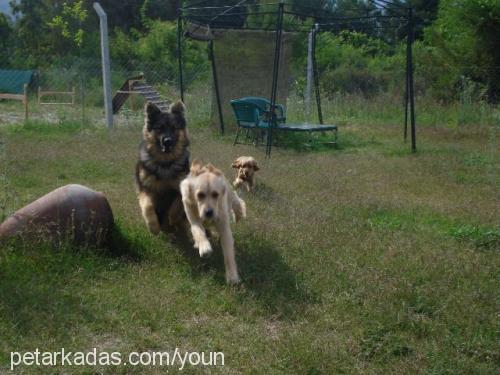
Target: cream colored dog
{"points": [[210, 201], [246, 167]]}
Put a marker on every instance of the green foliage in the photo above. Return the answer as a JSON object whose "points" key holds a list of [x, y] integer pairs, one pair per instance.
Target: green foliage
{"points": [[456, 53], [5, 38], [69, 22], [465, 38], [354, 62], [157, 48]]}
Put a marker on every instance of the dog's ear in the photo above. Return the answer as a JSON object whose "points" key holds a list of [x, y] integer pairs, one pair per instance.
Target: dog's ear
{"points": [[236, 163], [187, 190], [177, 110], [196, 167], [151, 112], [213, 170], [255, 165]]}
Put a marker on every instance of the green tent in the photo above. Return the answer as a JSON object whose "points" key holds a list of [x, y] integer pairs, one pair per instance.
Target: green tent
{"points": [[12, 81]]}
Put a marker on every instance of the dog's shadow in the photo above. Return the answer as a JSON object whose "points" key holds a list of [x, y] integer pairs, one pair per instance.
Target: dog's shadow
{"points": [[266, 277]]}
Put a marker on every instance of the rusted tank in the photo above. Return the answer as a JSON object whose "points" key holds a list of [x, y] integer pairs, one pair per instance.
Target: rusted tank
{"points": [[72, 213]]}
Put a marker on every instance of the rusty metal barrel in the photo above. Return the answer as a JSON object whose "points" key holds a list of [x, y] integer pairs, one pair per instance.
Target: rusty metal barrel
{"points": [[72, 213]]}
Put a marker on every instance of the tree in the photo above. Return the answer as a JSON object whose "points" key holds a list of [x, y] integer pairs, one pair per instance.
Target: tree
{"points": [[5, 40], [466, 35], [69, 23], [31, 29]]}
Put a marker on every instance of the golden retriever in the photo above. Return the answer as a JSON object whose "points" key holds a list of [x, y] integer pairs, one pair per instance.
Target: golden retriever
{"points": [[246, 167], [209, 201]]}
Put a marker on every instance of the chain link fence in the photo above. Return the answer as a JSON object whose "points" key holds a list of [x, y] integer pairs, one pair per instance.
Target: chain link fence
{"points": [[76, 95]]}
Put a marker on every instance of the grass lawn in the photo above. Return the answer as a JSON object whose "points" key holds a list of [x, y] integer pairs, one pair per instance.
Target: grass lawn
{"points": [[361, 259]]}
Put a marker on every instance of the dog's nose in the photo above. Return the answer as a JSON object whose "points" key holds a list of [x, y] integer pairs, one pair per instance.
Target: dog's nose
{"points": [[209, 212], [166, 142]]}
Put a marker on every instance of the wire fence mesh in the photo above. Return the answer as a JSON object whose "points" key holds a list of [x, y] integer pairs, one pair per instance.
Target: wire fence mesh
{"points": [[75, 93], [347, 94]]}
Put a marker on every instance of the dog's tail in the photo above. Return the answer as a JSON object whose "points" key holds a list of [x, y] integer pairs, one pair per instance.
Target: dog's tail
{"points": [[239, 207]]}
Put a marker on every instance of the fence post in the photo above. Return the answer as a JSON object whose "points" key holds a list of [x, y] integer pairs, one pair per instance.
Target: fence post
{"points": [[25, 101], [309, 74], [106, 79]]}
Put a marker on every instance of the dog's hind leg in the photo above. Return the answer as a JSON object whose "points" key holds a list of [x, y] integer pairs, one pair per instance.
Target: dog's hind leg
{"points": [[227, 243], [149, 213]]}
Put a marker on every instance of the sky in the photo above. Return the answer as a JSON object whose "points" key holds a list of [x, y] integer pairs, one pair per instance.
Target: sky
{"points": [[4, 6]]}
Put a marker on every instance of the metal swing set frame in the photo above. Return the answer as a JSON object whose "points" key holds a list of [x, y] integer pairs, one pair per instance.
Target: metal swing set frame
{"points": [[389, 15]]}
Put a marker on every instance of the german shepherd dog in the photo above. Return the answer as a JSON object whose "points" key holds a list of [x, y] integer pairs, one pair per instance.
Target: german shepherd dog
{"points": [[163, 163]]}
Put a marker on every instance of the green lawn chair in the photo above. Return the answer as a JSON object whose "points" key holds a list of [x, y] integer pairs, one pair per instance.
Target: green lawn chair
{"points": [[253, 114]]}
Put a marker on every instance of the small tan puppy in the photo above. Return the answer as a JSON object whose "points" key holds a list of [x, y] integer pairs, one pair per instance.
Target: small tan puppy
{"points": [[209, 201], [246, 167]]}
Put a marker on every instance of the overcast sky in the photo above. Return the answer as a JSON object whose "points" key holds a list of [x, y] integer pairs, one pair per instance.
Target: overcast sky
{"points": [[4, 6]]}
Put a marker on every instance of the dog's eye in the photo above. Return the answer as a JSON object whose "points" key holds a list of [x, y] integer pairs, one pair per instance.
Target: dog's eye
{"points": [[215, 195], [201, 196]]}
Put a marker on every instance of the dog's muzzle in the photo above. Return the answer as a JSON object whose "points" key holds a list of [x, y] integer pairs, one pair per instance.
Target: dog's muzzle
{"points": [[209, 213], [166, 143]]}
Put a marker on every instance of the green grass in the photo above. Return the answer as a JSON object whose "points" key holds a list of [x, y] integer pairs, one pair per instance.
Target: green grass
{"points": [[364, 258]]}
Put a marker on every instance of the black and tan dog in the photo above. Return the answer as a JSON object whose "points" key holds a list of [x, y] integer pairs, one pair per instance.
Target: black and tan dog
{"points": [[163, 163]]}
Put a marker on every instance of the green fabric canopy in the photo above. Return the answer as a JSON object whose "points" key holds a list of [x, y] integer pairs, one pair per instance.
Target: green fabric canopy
{"points": [[12, 81]]}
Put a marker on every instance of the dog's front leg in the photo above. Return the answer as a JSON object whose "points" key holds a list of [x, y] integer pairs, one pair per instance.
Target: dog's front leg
{"points": [[227, 243], [237, 182], [149, 213], [200, 239]]}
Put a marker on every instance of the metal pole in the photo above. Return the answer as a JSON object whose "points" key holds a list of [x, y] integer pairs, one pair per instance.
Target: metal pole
{"points": [[316, 77], [179, 54], [216, 84], [405, 135], [25, 101], [277, 50], [106, 76], [309, 75], [410, 81], [407, 75]]}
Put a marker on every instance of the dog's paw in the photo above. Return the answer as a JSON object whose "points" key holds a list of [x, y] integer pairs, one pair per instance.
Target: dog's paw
{"points": [[237, 183], [205, 249], [232, 278]]}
